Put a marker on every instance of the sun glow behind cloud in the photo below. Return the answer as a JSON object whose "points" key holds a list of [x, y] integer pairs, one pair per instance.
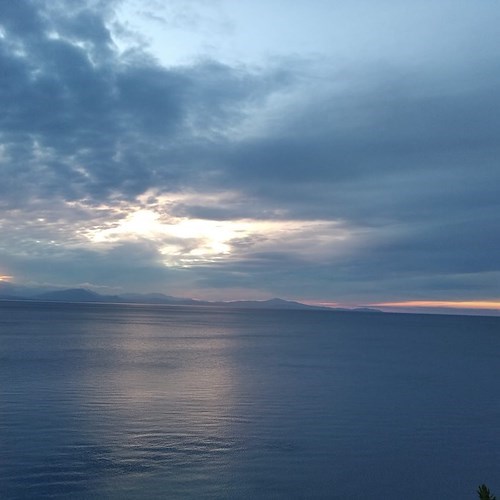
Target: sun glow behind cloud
{"points": [[185, 241], [182, 241]]}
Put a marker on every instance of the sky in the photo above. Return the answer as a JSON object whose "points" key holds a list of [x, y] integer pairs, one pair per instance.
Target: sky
{"points": [[333, 152]]}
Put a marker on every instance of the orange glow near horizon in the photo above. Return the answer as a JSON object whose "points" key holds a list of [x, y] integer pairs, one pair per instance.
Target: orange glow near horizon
{"points": [[466, 304], [4, 277]]}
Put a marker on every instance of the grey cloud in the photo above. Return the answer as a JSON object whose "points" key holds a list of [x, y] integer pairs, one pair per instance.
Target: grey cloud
{"points": [[411, 136], [21, 18], [410, 158], [114, 118], [126, 263]]}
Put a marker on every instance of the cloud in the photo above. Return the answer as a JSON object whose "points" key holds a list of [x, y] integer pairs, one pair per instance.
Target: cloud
{"points": [[354, 179], [86, 121]]}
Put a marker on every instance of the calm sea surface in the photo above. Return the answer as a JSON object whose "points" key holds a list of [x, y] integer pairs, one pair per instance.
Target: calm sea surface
{"points": [[125, 402]]}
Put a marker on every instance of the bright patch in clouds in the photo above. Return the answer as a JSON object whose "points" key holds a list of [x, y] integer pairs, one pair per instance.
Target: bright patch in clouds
{"points": [[185, 241], [182, 241]]}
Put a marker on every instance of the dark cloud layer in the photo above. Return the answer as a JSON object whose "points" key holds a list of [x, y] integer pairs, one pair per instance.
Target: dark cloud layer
{"points": [[406, 160], [88, 122]]}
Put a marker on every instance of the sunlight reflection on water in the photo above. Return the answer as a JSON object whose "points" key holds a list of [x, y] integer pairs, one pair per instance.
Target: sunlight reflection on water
{"points": [[113, 401]]}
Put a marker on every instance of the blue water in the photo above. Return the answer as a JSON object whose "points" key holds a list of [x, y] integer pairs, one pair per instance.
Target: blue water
{"points": [[125, 401]]}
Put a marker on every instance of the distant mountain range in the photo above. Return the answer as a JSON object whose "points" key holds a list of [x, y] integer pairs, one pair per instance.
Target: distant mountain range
{"points": [[10, 291]]}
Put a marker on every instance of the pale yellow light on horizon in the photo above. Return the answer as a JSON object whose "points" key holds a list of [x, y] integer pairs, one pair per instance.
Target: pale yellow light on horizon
{"points": [[452, 304]]}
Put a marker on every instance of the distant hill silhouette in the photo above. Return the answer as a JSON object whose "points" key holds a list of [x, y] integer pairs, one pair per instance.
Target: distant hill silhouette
{"points": [[366, 310], [10, 291], [271, 304]]}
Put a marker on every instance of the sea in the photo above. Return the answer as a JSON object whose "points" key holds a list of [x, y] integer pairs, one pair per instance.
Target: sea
{"points": [[124, 401]]}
